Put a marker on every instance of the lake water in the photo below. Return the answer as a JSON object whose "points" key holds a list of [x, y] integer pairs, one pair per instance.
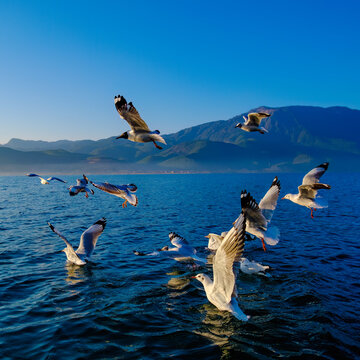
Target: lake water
{"points": [[122, 306]]}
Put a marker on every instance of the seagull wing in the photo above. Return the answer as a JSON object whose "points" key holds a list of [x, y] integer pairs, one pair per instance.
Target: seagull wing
{"points": [[89, 238], [123, 191], [55, 178], [129, 113], [310, 191], [228, 252], [254, 214], [313, 176], [269, 201], [254, 119], [72, 254], [31, 174]]}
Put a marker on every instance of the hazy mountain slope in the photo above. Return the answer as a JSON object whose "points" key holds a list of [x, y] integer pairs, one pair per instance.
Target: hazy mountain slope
{"points": [[298, 135]]}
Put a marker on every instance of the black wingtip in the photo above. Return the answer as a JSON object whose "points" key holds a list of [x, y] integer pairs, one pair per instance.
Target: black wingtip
{"points": [[173, 235], [102, 222], [51, 227], [276, 182], [247, 201], [324, 165]]}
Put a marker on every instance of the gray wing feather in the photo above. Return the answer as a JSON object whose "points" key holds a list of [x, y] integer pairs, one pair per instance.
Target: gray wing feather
{"points": [[72, 254], [269, 201], [313, 176], [129, 113], [55, 178], [228, 252], [122, 191], [89, 238]]}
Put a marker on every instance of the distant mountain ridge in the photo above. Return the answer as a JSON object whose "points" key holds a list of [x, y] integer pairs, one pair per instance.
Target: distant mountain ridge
{"points": [[298, 135]]}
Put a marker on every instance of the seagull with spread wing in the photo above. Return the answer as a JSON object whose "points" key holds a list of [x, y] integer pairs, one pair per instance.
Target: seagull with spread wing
{"points": [[139, 132], [182, 250], [252, 122], [125, 192], [307, 195], [259, 217], [46, 181], [222, 291], [81, 186], [87, 243]]}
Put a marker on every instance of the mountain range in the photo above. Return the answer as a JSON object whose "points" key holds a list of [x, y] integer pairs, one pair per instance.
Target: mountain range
{"points": [[298, 138]]}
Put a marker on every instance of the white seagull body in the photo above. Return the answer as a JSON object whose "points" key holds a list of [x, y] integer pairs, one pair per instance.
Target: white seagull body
{"points": [[259, 218], [182, 250], [87, 243], [125, 192], [252, 122], [46, 181], [139, 132], [215, 240], [307, 195], [252, 267], [81, 186], [222, 291]]}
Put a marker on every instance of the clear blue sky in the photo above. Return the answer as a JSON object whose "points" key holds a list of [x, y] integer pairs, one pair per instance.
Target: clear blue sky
{"points": [[182, 63]]}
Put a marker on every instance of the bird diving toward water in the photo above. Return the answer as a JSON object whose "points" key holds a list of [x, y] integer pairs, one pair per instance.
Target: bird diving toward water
{"points": [[125, 192], [87, 243], [139, 132], [258, 218], [222, 291], [307, 195], [252, 122], [81, 186], [46, 181]]}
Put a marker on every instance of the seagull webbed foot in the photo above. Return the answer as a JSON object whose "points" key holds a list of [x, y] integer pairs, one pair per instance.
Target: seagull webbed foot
{"points": [[157, 146]]}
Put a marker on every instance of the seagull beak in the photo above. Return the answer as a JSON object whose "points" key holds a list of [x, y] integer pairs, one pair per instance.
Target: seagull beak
{"points": [[283, 198], [207, 236], [192, 277]]}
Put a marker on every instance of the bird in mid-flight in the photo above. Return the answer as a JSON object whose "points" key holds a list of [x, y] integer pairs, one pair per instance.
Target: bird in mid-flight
{"points": [[139, 132], [46, 181], [125, 192], [87, 242], [307, 195], [252, 122], [81, 186]]}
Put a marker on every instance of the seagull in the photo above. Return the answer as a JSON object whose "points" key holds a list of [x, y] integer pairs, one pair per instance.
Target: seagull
{"points": [[81, 186], [87, 243], [122, 191], [182, 250], [222, 291], [46, 181], [252, 122], [259, 217], [309, 188], [215, 240], [139, 132], [252, 267]]}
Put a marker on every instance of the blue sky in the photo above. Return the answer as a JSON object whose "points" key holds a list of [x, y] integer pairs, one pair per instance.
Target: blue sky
{"points": [[182, 63]]}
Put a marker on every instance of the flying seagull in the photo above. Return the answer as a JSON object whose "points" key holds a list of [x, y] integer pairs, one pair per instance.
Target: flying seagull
{"points": [[252, 122], [182, 250], [309, 188], [222, 291], [252, 267], [125, 192], [87, 242], [139, 132], [46, 181], [259, 217], [81, 186]]}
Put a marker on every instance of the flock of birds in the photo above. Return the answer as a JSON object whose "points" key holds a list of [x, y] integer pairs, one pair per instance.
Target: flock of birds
{"points": [[228, 247]]}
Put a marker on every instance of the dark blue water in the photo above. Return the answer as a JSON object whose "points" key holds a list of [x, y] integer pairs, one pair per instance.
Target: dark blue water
{"points": [[127, 307]]}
